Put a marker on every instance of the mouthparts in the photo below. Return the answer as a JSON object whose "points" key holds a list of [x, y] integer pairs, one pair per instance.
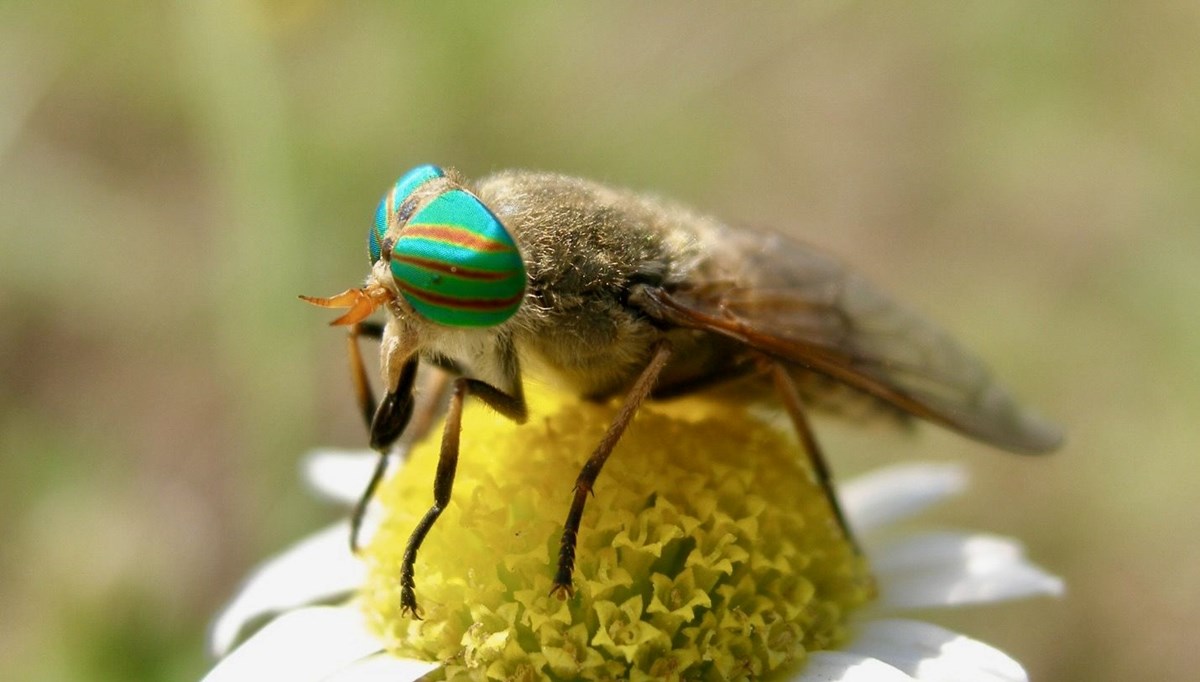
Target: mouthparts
{"points": [[361, 301]]}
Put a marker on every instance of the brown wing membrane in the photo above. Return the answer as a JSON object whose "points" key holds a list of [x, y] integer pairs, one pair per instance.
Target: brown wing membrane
{"points": [[804, 308]]}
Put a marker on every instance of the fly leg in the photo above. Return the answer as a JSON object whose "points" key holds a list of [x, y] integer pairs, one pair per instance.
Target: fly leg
{"points": [[385, 422], [358, 370], [591, 469], [367, 406], [405, 414], [789, 395], [511, 406]]}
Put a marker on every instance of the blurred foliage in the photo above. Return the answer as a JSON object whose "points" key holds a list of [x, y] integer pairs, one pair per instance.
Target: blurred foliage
{"points": [[173, 174]]}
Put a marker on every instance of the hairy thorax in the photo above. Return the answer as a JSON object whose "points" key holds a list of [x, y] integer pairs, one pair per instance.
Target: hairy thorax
{"points": [[587, 247]]}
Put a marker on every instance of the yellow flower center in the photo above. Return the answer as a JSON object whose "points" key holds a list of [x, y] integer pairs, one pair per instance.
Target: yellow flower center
{"points": [[707, 552]]}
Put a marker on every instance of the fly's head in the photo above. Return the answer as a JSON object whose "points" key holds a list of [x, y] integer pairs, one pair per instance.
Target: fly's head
{"points": [[442, 264]]}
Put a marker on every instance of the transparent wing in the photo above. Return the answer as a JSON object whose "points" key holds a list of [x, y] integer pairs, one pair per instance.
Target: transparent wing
{"points": [[804, 308]]}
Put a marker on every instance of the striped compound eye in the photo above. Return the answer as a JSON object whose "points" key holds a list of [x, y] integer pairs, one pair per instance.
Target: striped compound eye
{"points": [[391, 203], [457, 265]]}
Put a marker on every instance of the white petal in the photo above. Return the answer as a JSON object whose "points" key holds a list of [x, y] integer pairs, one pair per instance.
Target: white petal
{"points": [[951, 569], [317, 568], [899, 492], [933, 654], [384, 668], [341, 475], [840, 666], [307, 644]]}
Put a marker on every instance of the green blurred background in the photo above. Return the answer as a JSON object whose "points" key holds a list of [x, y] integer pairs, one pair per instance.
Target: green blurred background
{"points": [[173, 174]]}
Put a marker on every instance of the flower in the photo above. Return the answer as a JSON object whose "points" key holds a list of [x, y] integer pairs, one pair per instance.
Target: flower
{"points": [[706, 552]]}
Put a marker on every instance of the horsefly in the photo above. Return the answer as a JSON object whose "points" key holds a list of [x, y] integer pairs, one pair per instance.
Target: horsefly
{"points": [[613, 294]]}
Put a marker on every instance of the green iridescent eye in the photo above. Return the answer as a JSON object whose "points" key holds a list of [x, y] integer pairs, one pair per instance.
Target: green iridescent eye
{"points": [[457, 265], [391, 203]]}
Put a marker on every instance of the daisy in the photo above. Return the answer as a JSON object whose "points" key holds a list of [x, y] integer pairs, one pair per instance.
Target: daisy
{"points": [[707, 552]]}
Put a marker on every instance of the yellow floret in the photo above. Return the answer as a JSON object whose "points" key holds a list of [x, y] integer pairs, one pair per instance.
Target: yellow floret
{"points": [[707, 552]]}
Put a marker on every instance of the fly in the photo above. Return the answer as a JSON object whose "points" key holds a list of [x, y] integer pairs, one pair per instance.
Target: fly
{"points": [[613, 294]]}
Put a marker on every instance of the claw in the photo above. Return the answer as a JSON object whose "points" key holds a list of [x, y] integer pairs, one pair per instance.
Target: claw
{"points": [[408, 604], [563, 591]]}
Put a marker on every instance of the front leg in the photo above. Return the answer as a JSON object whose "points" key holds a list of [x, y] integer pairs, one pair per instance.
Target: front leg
{"points": [[388, 420], [407, 412], [511, 406]]}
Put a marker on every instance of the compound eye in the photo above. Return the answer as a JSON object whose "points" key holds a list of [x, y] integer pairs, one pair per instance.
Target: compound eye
{"points": [[391, 203], [457, 265], [375, 236]]}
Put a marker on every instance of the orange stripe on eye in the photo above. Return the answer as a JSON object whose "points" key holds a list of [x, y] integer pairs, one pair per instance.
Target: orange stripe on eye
{"points": [[452, 234]]}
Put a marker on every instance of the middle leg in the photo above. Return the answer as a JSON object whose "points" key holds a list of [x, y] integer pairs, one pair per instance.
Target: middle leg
{"points": [[591, 469]]}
